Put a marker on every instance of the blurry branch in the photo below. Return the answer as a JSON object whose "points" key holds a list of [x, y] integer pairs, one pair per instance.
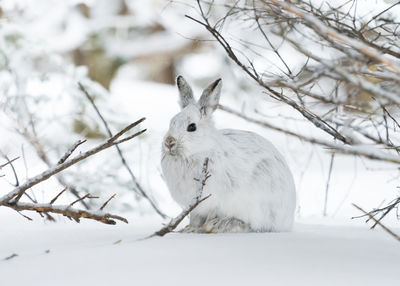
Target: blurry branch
{"points": [[8, 162], [33, 139], [173, 224], [138, 187], [325, 212], [11, 200], [332, 36], [377, 222], [11, 256]]}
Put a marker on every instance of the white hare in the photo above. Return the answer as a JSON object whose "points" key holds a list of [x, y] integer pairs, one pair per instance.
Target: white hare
{"points": [[251, 185]]}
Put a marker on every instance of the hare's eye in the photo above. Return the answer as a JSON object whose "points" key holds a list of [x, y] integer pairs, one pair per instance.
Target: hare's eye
{"points": [[191, 127]]}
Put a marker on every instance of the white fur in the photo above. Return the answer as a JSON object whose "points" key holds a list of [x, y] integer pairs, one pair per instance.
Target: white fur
{"points": [[250, 180]]}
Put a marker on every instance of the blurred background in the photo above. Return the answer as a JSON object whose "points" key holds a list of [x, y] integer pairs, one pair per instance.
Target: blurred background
{"points": [[127, 54]]}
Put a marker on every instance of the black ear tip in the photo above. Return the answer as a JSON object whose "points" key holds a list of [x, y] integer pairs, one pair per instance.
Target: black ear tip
{"points": [[215, 83], [179, 80]]}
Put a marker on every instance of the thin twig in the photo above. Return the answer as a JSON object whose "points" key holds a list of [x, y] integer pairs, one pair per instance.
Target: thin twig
{"points": [[344, 149], [70, 151], [58, 168], [107, 201], [59, 194], [69, 212], [87, 196], [8, 162], [327, 184], [196, 201], [170, 227], [11, 256], [378, 222], [142, 192]]}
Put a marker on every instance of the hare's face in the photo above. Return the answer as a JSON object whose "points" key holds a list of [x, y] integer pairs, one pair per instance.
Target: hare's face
{"points": [[191, 130], [189, 133]]}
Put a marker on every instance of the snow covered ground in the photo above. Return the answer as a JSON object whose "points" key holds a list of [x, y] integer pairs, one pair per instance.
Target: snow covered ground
{"points": [[332, 251], [315, 253]]}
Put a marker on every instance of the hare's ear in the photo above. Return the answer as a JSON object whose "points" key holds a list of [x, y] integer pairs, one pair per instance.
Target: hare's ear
{"points": [[210, 98], [185, 92]]}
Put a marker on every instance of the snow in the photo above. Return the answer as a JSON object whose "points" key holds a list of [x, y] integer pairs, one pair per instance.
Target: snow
{"points": [[315, 253], [329, 251]]}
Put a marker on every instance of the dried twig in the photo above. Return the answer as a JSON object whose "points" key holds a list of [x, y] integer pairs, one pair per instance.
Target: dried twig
{"points": [[11, 256], [384, 211], [58, 195], [378, 222], [196, 201], [69, 212], [11, 199], [8, 162], [58, 168], [138, 187], [33, 139], [107, 201], [87, 196]]}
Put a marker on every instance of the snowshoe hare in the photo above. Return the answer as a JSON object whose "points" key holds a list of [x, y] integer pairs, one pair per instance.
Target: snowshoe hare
{"points": [[251, 185]]}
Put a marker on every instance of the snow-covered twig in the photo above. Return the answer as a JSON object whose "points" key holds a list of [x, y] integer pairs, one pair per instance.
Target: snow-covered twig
{"points": [[70, 151], [33, 139], [138, 187], [339, 148], [313, 118], [11, 199], [196, 201], [323, 30]]}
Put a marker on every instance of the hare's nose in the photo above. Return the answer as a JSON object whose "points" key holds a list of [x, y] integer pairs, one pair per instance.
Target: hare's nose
{"points": [[170, 142]]}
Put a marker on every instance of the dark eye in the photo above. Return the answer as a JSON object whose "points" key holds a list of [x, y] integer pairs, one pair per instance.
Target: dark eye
{"points": [[191, 127]]}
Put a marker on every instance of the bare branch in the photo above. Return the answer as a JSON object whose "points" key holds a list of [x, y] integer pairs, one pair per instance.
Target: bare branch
{"points": [[70, 151], [56, 197], [107, 201], [345, 149], [87, 196], [378, 222], [8, 162], [68, 211], [196, 201], [138, 187], [11, 256], [58, 168]]}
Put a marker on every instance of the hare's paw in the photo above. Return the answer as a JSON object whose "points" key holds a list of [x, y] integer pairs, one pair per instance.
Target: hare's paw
{"points": [[191, 229], [222, 225]]}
